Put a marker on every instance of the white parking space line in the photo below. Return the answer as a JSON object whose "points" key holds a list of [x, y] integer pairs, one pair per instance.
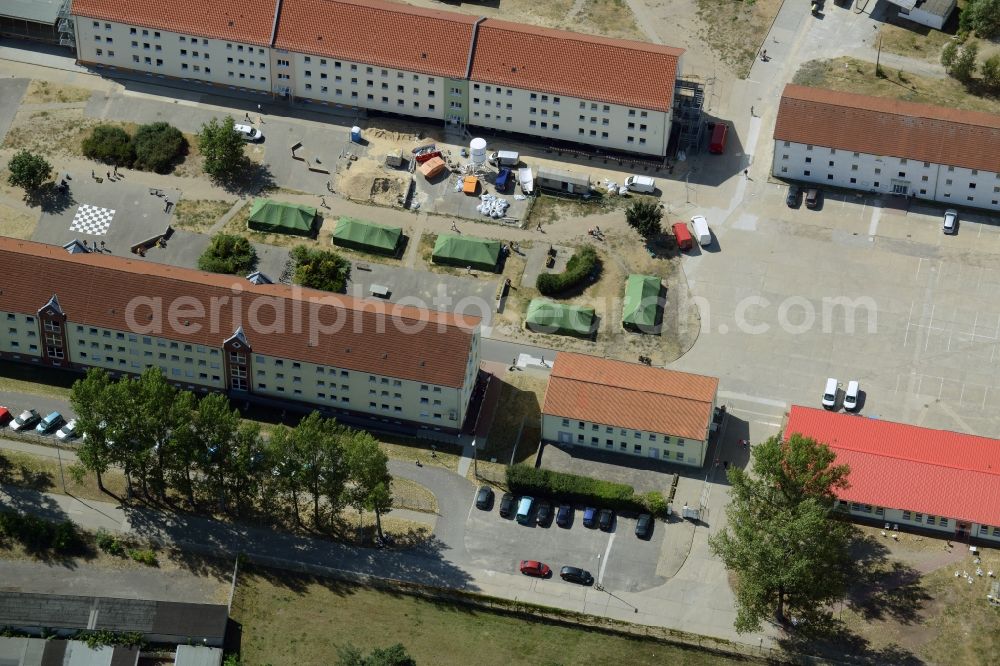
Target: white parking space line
{"points": [[604, 560], [873, 225]]}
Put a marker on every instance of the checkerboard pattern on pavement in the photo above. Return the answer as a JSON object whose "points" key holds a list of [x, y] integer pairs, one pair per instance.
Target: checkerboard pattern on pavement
{"points": [[92, 220]]}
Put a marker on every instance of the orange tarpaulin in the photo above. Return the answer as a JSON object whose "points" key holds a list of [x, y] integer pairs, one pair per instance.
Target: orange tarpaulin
{"points": [[470, 184], [432, 167]]}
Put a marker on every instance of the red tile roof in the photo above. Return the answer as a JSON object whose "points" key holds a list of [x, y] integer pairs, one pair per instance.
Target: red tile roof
{"points": [[360, 335], [616, 71], [378, 33], [246, 21], [900, 466], [889, 127], [628, 395]]}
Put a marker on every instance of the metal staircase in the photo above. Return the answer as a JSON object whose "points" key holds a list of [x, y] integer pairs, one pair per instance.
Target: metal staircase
{"points": [[689, 102], [67, 33]]}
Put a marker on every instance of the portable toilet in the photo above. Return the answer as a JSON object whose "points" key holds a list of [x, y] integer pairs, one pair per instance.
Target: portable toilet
{"points": [[356, 134]]}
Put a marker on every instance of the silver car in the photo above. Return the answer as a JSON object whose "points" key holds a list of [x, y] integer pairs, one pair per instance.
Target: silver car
{"points": [[950, 224]]}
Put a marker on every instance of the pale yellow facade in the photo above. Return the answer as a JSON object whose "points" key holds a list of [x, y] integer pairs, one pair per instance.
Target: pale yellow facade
{"points": [[613, 439]]}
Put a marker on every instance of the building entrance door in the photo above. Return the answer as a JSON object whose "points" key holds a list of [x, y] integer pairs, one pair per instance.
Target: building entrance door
{"points": [[654, 452], [565, 437], [900, 187]]}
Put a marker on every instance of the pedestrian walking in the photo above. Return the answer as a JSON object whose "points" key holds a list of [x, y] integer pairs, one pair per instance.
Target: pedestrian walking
{"points": [[746, 173], [92, 174], [763, 55], [108, 174], [454, 227], [248, 116], [751, 110]]}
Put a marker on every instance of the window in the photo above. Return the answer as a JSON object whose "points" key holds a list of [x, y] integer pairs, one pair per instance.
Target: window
{"points": [[943, 522], [806, 173], [809, 160], [931, 520], [918, 517], [902, 174], [100, 52]]}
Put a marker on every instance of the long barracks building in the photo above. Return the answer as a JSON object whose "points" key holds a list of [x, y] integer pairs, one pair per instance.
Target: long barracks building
{"points": [[407, 366], [610, 94]]}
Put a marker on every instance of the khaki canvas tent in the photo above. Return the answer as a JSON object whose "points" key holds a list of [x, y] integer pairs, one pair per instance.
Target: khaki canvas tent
{"points": [[642, 303], [546, 316], [367, 236], [275, 217], [465, 251]]}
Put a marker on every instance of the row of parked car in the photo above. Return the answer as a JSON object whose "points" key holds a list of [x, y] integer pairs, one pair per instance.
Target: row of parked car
{"points": [[29, 420], [526, 510]]}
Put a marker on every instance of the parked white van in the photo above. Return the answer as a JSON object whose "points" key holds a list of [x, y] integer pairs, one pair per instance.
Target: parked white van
{"points": [[248, 132], [851, 396], [830, 394], [640, 184], [701, 230]]}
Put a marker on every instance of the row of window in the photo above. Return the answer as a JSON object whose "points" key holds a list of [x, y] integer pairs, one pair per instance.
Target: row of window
{"points": [[902, 160], [653, 452], [807, 173], [609, 430], [900, 174]]}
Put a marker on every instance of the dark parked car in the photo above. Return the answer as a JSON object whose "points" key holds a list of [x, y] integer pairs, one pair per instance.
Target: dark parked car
{"points": [[564, 517], [576, 575], [484, 498], [590, 517], [794, 198], [543, 514], [813, 198], [644, 526], [606, 519], [26, 421], [507, 505], [535, 568]]}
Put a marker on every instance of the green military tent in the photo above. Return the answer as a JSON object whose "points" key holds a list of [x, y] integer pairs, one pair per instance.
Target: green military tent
{"points": [[465, 251], [642, 303], [367, 236], [545, 316], [276, 217]]}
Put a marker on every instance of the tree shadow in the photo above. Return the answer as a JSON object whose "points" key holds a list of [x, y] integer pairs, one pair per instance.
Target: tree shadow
{"points": [[51, 198], [822, 635], [883, 588], [249, 179]]}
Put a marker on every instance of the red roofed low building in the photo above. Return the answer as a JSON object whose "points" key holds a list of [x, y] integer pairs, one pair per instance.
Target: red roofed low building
{"points": [[609, 94], [252, 339], [628, 408], [888, 146], [910, 476]]}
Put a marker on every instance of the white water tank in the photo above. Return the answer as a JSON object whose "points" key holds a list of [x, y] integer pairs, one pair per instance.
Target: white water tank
{"points": [[477, 150]]}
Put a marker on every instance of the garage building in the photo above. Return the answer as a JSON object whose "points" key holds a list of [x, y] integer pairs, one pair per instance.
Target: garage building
{"points": [[937, 480], [628, 408]]}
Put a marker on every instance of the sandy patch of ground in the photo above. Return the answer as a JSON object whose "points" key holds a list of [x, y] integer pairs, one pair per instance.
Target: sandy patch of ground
{"points": [[199, 214], [45, 92]]}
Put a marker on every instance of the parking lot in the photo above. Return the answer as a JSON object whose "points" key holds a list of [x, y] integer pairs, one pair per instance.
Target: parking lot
{"points": [[861, 289], [618, 560]]}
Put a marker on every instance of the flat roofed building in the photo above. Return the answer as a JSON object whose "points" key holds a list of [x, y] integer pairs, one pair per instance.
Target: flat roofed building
{"points": [[910, 476], [629, 408], [403, 365], [31, 19], [888, 146]]}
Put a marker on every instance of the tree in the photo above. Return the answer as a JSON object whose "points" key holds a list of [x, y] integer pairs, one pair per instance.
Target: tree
{"points": [[109, 144], [644, 216], [990, 70], [964, 67], [394, 655], [948, 55], [789, 553], [983, 17], [163, 414], [90, 399], [320, 269], [228, 253], [28, 171], [370, 485], [222, 148], [215, 426], [157, 146], [319, 457]]}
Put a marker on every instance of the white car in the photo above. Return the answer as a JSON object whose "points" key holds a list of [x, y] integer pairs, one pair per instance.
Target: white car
{"points": [[851, 396], [248, 132], [950, 224], [25, 421], [68, 431], [830, 393]]}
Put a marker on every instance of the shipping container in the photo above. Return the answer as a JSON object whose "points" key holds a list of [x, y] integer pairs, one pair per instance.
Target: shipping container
{"points": [[718, 143]]}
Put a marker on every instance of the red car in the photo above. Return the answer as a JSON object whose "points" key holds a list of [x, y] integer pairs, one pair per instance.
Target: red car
{"points": [[535, 568], [4, 415]]}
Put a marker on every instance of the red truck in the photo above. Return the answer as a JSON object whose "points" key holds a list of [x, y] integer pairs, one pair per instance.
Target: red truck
{"points": [[683, 236], [423, 157], [717, 145]]}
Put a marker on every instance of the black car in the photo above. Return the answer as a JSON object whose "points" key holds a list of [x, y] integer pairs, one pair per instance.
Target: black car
{"points": [[576, 575], [644, 526], [606, 519], [794, 198], [484, 498], [507, 505], [564, 517], [543, 514], [813, 198]]}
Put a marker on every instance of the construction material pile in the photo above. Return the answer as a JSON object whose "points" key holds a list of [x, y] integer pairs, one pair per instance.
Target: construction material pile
{"points": [[492, 206]]}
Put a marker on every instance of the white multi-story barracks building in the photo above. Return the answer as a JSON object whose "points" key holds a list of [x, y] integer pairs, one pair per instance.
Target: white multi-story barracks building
{"points": [[609, 94], [888, 146], [630, 409], [70, 308]]}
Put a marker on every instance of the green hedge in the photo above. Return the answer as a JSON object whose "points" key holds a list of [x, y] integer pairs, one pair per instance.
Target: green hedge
{"points": [[37, 534], [540, 483], [579, 267]]}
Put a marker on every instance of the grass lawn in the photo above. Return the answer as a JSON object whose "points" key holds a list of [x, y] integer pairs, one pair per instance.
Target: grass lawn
{"points": [[302, 621], [918, 41], [850, 75], [20, 378], [199, 214], [44, 92]]}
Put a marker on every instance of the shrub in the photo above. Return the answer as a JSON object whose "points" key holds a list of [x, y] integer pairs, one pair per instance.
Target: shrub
{"points": [[158, 146], [580, 266], [145, 556], [110, 544], [524, 479], [320, 269], [37, 534], [228, 253], [655, 503], [109, 144], [645, 217]]}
